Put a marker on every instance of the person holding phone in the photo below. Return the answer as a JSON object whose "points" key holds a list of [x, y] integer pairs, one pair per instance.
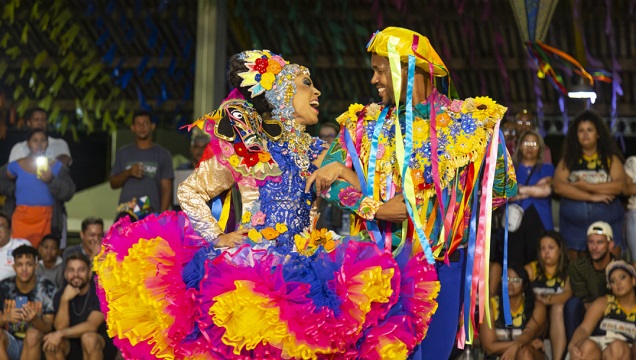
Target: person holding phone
{"points": [[27, 308]]}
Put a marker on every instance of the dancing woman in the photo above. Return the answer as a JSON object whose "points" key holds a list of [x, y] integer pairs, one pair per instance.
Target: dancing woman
{"points": [[178, 286]]}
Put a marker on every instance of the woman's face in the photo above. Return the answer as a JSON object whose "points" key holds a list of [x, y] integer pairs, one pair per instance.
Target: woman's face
{"points": [[38, 143], [621, 282], [529, 147], [587, 134], [305, 101], [549, 250], [515, 283]]}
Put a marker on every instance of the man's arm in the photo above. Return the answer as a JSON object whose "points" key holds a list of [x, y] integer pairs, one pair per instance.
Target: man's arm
{"points": [[166, 194], [95, 319], [43, 323], [577, 282]]}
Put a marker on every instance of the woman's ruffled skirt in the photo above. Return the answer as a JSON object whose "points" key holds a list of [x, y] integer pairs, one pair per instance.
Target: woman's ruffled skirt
{"points": [[167, 294]]}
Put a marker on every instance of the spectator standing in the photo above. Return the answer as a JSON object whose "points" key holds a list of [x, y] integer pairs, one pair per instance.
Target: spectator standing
{"points": [[616, 315], [197, 146], [528, 320], [630, 215], [143, 168], [587, 275], [525, 121], [36, 118], [510, 135], [589, 177], [27, 308], [534, 178], [7, 245], [91, 235], [549, 281], [50, 266], [80, 330], [41, 187]]}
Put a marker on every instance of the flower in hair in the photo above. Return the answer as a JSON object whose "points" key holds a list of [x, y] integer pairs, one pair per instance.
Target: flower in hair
{"points": [[263, 66]]}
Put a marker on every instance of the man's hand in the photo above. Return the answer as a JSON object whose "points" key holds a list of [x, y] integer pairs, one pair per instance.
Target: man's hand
{"points": [[393, 210], [14, 316], [28, 313], [137, 170], [324, 177], [232, 239], [70, 292], [51, 341]]}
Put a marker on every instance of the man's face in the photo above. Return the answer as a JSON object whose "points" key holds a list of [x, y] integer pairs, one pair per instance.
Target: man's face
{"points": [[24, 267], [142, 127], [5, 231], [92, 237], [37, 121], [598, 246], [48, 250], [196, 150], [382, 78], [77, 273], [327, 134]]}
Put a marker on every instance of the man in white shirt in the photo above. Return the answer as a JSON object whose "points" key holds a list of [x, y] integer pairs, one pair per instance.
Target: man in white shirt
{"points": [[36, 118], [7, 245]]}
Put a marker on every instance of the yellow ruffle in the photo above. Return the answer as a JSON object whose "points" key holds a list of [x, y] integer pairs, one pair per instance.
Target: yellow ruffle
{"points": [[372, 285], [392, 349], [135, 312]]}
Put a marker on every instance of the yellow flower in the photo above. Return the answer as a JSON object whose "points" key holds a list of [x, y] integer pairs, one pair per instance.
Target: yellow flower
{"points": [[267, 80], [264, 156], [254, 235], [281, 228], [485, 107], [420, 130], [235, 160], [247, 216], [270, 233], [354, 109], [301, 242], [468, 105]]}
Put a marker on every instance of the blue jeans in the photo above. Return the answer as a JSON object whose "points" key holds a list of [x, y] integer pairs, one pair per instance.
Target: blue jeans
{"points": [[630, 232], [14, 350], [573, 314], [440, 337]]}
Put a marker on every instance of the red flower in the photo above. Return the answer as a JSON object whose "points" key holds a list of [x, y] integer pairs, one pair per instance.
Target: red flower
{"points": [[251, 159], [260, 65], [240, 149]]}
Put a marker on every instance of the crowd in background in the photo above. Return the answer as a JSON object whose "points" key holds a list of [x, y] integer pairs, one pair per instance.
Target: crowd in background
{"points": [[567, 279]]}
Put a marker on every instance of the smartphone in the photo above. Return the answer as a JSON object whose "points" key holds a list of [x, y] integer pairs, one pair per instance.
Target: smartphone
{"points": [[20, 301]]}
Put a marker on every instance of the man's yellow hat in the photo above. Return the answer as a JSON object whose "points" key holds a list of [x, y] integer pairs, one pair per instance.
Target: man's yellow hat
{"points": [[408, 41]]}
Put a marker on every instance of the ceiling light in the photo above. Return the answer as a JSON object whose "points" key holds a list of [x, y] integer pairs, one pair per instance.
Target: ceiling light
{"points": [[582, 91]]}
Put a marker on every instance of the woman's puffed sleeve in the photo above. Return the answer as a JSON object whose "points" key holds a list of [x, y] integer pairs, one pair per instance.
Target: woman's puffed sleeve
{"points": [[207, 181]]}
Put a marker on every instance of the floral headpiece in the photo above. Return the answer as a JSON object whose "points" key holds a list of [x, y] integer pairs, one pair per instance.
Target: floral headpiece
{"points": [[263, 67]]}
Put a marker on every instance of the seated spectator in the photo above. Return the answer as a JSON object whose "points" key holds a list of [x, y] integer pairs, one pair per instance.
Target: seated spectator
{"points": [[7, 245], [548, 278], [522, 340], [534, 179], [91, 235], [587, 275], [616, 315], [630, 214], [41, 187], [80, 329], [27, 308], [197, 146], [50, 266]]}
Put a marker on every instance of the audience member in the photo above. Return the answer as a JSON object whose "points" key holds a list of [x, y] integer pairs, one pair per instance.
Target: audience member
{"points": [[80, 330], [36, 118], [50, 266], [616, 314], [330, 216], [589, 177], [522, 340], [91, 235], [27, 308], [630, 215], [41, 187], [143, 168], [197, 146], [510, 135], [587, 275], [524, 122], [534, 178], [7, 245], [548, 279]]}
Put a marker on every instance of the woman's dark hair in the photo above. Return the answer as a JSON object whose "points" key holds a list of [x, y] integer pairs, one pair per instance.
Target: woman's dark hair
{"points": [[32, 132], [527, 290], [563, 259], [606, 147], [236, 66]]}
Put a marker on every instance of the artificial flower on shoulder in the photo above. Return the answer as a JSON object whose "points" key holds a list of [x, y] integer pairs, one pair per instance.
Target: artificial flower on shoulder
{"points": [[373, 111]]}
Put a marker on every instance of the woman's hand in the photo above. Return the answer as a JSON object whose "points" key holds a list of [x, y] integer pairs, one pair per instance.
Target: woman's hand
{"points": [[537, 344], [324, 177], [602, 198], [45, 175], [575, 351], [232, 239], [511, 352]]}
